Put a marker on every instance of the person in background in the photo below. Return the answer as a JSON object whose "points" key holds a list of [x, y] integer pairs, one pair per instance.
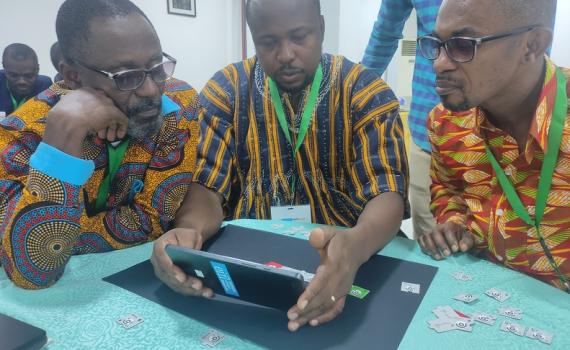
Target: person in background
{"points": [[381, 47], [500, 138], [56, 58], [19, 80], [294, 126], [99, 161]]}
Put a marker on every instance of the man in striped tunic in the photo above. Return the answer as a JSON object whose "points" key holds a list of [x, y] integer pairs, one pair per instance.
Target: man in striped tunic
{"points": [[294, 126]]}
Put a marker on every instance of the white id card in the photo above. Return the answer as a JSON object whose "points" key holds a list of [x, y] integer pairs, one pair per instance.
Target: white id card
{"points": [[300, 213], [2, 115]]}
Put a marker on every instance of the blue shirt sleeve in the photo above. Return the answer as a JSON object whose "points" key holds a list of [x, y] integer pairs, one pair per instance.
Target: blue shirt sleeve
{"points": [[62, 166], [386, 33]]}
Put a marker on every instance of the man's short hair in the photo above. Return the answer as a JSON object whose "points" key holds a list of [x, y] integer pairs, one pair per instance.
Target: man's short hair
{"points": [[75, 16], [19, 52], [250, 3]]}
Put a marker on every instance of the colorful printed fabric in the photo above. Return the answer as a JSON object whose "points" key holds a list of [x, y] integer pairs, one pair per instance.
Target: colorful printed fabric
{"points": [[466, 191], [383, 44], [44, 220], [353, 151]]}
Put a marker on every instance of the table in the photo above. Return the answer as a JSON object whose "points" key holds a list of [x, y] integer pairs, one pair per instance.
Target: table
{"points": [[81, 310]]}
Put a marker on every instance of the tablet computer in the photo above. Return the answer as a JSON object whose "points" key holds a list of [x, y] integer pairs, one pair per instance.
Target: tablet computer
{"points": [[241, 279]]}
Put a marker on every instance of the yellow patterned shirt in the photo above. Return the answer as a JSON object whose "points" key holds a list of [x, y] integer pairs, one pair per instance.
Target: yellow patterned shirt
{"points": [[353, 150], [44, 220]]}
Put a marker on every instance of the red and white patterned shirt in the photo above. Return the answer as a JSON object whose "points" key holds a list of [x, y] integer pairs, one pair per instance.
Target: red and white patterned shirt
{"points": [[466, 190]]}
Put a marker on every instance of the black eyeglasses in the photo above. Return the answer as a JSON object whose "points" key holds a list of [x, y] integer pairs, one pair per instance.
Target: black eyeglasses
{"points": [[461, 49], [132, 79]]}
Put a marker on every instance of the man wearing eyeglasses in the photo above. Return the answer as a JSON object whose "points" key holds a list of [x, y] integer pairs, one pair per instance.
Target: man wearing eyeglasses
{"points": [[102, 160], [501, 138], [19, 80]]}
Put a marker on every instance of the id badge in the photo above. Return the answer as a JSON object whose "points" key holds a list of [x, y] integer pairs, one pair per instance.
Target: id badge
{"points": [[299, 213]]}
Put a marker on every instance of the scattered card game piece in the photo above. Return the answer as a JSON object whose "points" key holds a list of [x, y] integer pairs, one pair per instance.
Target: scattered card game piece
{"points": [[467, 298], [299, 229], [444, 312], [448, 312], [482, 317], [511, 312], [296, 230], [129, 321], [538, 334], [462, 276], [498, 294], [514, 328], [358, 292], [212, 338], [461, 314], [441, 326], [410, 288], [449, 319]]}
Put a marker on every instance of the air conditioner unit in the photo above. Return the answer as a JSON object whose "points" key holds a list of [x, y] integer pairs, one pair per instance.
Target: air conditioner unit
{"points": [[400, 71]]}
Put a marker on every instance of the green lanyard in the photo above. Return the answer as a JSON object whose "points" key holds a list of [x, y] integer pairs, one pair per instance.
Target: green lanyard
{"points": [[116, 155], [306, 118], [555, 137], [15, 104]]}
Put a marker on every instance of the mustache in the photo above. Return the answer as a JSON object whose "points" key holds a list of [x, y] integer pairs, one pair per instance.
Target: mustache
{"points": [[145, 105], [288, 68], [447, 78]]}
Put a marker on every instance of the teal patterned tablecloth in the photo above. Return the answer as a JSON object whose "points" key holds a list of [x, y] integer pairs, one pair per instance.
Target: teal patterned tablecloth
{"points": [[81, 311]]}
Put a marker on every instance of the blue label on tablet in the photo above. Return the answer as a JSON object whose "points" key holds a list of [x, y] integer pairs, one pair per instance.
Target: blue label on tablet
{"points": [[225, 279]]}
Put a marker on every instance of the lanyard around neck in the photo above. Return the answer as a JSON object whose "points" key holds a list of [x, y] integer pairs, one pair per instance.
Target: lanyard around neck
{"points": [[307, 114], [15, 104], [115, 155], [307, 109], [549, 164]]}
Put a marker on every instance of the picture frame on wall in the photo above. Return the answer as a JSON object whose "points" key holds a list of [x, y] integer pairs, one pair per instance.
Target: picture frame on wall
{"points": [[182, 7]]}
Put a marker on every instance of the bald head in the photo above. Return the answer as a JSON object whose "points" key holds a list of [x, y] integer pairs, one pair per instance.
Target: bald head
{"points": [[528, 12], [515, 13]]}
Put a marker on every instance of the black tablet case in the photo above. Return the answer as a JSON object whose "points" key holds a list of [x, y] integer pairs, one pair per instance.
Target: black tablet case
{"points": [[378, 321], [17, 335]]}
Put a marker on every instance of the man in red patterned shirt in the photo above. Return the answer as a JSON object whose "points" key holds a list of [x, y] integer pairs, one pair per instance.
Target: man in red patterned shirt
{"points": [[501, 138]]}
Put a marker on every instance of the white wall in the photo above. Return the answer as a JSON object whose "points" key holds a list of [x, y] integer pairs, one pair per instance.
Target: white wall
{"points": [[356, 21], [331, 12], [202, 44], [561, 45], [25, 22]]}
